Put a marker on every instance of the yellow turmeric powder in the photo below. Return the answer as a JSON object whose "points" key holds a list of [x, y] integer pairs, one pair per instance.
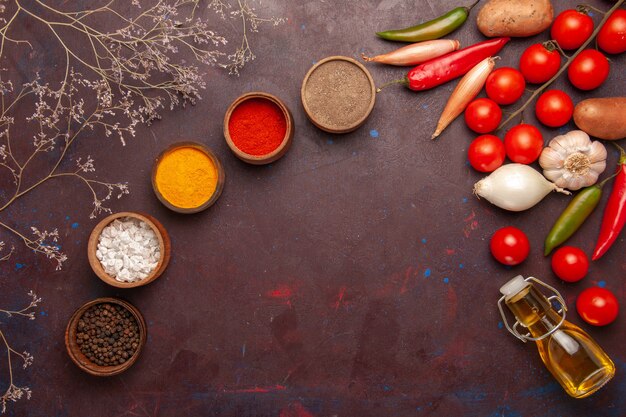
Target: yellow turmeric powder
{"points": [[186, 177]]}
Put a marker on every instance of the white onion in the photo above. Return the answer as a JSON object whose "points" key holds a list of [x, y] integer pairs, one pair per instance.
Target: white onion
{"points": [[515, 187]]}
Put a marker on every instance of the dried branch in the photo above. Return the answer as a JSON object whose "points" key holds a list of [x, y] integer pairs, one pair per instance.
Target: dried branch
{"points": [[14, 392], [24, 312], [6, 256], [250, 23], [60, 117], [136, 55], [44, 242]]}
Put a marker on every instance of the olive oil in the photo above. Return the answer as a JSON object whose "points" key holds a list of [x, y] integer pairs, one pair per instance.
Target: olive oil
{"points": [[573, 358]]}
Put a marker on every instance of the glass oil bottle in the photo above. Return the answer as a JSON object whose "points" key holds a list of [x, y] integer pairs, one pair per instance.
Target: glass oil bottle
{"points": [[570, 354]]}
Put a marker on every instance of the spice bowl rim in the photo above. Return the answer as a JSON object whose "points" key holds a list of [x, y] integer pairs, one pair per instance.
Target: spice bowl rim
{"points": [[342, 129], [73, 350], [276, 153], [221, 177], [164, 247]]}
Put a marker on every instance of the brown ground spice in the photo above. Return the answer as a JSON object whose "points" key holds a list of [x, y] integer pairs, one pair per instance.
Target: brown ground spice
{"points": [[338, 94]]}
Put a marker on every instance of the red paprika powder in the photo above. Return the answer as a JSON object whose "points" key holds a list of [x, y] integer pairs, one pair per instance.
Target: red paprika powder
{"points": [[257, 126]]}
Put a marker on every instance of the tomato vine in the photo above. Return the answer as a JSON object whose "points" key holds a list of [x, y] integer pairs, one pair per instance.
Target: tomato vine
{"points": [[568, 61]]}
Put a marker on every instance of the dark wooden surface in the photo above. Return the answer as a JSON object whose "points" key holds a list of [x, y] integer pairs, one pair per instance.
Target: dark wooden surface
{"points": [[350, 278]]}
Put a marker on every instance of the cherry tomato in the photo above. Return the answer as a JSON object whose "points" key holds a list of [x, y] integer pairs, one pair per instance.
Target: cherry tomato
{"points": [[486, 153], [612, 36], [554, 108], [570, 264], [505, 85], [571, 29], [597, 306], [510, 246], [483, 115], [538, 64], [588, 70], [523, 143]]}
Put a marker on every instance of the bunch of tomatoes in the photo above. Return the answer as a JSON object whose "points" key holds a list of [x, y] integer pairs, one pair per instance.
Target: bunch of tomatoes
{"points": [[524, 143]]}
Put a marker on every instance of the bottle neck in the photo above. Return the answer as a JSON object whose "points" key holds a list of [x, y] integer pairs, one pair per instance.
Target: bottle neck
{"points": [[533, 310]]}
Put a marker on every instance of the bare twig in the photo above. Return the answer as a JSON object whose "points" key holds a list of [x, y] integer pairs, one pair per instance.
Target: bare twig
{"points": [[14, 392], [6, 256], [136, 55], [59, 119]]}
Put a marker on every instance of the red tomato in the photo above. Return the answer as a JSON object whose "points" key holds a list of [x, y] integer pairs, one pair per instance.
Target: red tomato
{"points": [[486, 153], [588, 70], [538, 64], [483, 115], [505, 85], [554, 108], [523, 143], [571, 29], [597, 306], [612, 36], [510, 246], [570, 264]]}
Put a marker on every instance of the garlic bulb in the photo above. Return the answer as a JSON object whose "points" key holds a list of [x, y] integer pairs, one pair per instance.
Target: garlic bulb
{"points": [[515, 187], [573, 161]]}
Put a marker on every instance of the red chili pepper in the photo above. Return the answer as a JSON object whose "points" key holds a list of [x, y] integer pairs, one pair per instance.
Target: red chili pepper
{"points": [[615, 212], [440, 70]]}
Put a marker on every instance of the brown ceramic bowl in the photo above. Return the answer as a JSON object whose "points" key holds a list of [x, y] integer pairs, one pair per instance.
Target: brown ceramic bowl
{"points": [[221, 177], [338, 94], [164, 246], [81, 360], [276, 153]]}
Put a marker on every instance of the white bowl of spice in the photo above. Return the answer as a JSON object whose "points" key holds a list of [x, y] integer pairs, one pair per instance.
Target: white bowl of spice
{"points": [[129, 249]]}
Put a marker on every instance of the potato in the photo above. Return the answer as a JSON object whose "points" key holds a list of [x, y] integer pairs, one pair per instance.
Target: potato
{"points": [[515, 18], [603, 118]]}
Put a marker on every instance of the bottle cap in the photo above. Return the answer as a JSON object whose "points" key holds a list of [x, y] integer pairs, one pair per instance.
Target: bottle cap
{"points": [[514, 286]]}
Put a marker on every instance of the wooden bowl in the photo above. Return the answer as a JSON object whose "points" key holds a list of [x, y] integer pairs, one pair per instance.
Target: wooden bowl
{"points": [[276, 153], [325, 95], [164, 247], [221, 177], [73, 350]]}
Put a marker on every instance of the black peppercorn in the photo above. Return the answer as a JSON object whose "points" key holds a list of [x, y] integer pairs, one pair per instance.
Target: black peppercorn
{"points": [[107, 334]]}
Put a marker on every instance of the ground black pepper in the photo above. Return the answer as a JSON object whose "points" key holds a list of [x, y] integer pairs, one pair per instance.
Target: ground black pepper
{"points": [[107, 334]]}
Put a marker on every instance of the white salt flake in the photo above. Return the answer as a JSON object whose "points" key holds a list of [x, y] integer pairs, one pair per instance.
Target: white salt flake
{"points": [[128, 249]]}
